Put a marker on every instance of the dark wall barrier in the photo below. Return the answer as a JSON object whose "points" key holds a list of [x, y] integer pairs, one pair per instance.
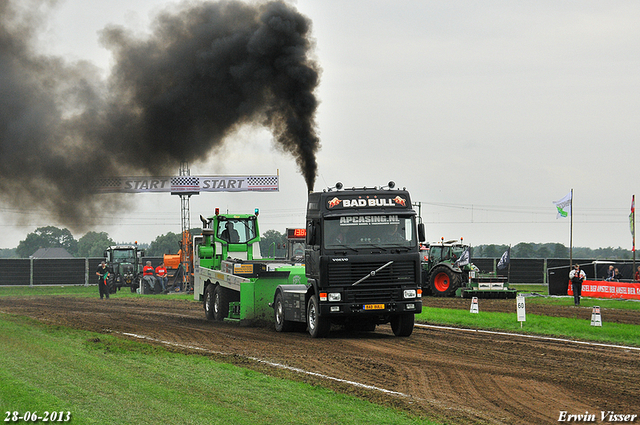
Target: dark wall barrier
{"points": [[15, 272], [53, 271], [82, 271]]}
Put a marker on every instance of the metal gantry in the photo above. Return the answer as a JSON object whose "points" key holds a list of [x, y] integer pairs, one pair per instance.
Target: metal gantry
{"points": [[185, 219]]}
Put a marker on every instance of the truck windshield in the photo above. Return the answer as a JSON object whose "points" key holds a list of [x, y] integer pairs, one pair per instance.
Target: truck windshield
{"points": [[364, 231], [237, 230]]}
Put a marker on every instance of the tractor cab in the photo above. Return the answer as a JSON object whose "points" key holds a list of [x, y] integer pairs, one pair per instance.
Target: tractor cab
{"points": [[229, 237]]}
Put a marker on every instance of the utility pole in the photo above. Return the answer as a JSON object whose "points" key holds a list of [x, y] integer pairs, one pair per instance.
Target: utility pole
{"points": [[419, 205]]}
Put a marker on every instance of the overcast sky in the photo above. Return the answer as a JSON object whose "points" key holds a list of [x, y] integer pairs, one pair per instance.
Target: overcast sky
{"points": [[485, 111]]}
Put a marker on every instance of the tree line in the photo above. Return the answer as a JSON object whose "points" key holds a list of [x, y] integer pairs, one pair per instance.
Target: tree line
{"points": [[93, 244], [550, 250], [272, 244]]}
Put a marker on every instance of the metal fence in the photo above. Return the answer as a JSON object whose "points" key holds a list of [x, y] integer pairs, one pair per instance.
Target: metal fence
{"points": [[53, 271]]}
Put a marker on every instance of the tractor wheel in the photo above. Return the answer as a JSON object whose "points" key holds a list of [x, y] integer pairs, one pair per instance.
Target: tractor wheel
{"points": [[282, 325], [220, 303], [402, 324], [318, 326], [444, 281], [208, 302], [111, 284]]}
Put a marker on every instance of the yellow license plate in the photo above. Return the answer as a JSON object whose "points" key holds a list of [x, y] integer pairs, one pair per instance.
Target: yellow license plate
{"points": [[373, 306]]}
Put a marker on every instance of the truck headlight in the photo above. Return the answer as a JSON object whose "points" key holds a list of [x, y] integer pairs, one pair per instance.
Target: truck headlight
{"points": [[410, 293], [335, 296]]}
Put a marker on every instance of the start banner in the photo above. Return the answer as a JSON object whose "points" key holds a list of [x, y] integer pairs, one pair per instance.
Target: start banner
{"points": [[187, 184], [606, 289]]}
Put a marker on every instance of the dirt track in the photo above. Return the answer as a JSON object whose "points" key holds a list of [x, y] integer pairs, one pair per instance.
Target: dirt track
{"points": [[450, 375]]}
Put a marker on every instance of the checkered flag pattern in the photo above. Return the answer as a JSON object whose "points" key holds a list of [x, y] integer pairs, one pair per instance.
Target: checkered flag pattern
{"points": [[185, 184], [262, 183], [107, 184]]}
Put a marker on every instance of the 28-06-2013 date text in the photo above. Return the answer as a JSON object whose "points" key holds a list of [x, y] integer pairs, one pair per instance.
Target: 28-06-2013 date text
{"points": [[32, 417]]}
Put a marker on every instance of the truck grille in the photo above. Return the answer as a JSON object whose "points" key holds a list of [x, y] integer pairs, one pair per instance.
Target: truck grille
{"points": [[397, 273], [363, 295]]}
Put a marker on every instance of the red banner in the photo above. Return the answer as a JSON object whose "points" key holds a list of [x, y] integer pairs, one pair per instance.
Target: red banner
{"points": [[604, 289]]}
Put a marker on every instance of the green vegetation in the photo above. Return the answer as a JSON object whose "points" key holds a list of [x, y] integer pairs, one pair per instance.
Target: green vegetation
{"points": [[104, 379], [560, 327], [587, 302], [530, 288], [550, 250]]}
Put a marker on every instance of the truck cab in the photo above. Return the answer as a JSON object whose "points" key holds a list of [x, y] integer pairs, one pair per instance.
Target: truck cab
{"points": [[362, 262]]}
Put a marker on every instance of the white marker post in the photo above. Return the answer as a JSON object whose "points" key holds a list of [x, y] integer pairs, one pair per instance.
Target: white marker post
{"points": [[522, 315], [596, 320], [474, 305]]}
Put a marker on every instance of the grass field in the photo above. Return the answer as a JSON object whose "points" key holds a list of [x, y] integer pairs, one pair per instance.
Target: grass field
{"points": [[103, 379], [562, 327]]}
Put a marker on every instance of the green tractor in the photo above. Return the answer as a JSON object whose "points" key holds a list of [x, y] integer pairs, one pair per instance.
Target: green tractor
{"points": [[125, 266], [447, 272]]}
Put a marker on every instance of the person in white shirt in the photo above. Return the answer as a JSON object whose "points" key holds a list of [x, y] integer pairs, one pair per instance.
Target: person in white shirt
{"points": [[576, 277]]}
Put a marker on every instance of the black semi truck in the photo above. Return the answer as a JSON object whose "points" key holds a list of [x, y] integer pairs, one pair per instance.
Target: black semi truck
{"points": [[362, 263]]}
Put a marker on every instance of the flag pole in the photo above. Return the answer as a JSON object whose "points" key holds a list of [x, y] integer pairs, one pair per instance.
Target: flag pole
{"points": [[633, 232], [509, 269], [571, 233]]}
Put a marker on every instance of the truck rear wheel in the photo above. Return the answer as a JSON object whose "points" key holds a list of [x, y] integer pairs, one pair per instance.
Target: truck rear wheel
{"points": [[402, 324], [282, 325], [444, 282], [220, 303], [208, 302], [318, 326]]}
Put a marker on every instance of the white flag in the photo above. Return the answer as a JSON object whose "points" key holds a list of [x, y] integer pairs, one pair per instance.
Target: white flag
{"points": [[464, 259], [563, 206]]}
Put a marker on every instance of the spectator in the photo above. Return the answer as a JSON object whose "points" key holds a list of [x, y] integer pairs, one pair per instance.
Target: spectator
{"points": [[147, 275], [610, 274], [617, 275], [161, 275], [577, 276], [103, 273]]}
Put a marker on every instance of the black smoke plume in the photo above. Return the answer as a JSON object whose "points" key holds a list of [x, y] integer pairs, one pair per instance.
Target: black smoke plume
{"points": [[206, 69]]}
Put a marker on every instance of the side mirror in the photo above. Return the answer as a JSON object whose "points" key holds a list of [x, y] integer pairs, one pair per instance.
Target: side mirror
{"points": [[422, 234], [311, 234]]}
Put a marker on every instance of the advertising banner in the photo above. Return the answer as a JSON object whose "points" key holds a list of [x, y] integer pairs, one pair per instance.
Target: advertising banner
{"points": [[605, 289]]}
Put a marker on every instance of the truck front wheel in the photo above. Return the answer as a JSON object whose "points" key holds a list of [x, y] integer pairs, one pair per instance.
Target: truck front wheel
{"points": [[278, 311], [318, 326], [402, 324]]}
